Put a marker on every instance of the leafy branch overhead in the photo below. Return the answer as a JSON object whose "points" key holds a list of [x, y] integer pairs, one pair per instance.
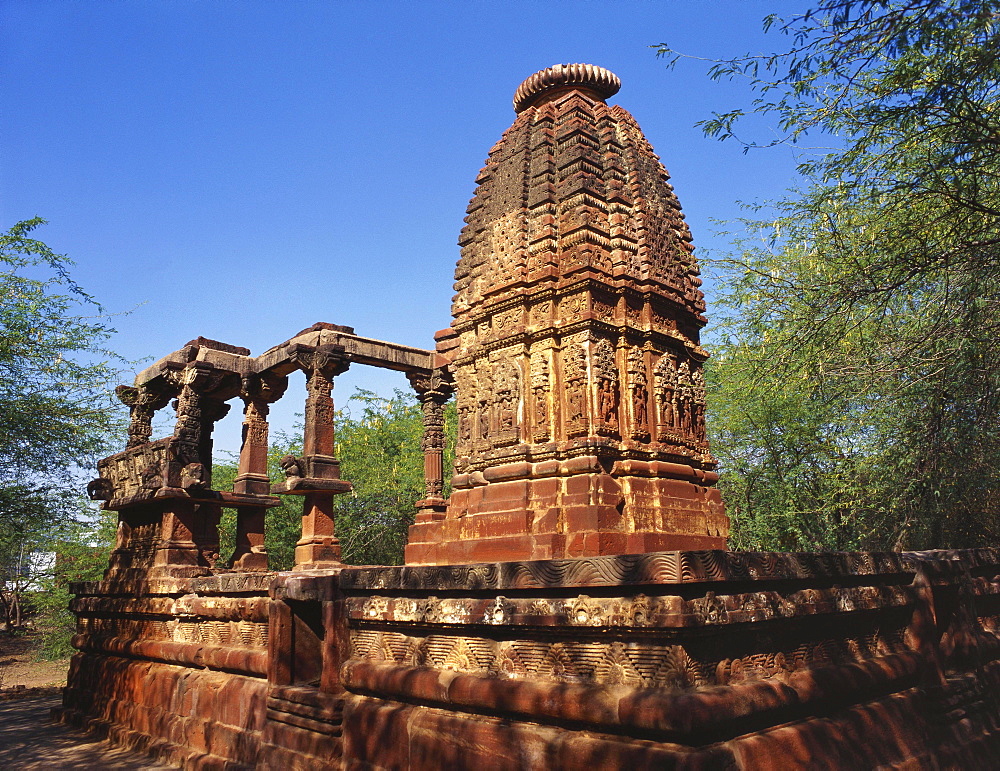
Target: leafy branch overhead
{"points": [[54, 370]]}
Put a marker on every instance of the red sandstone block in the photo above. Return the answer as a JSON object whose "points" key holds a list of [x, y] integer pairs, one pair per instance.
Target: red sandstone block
{"points": [[796, 746], [376, 734], [492, 525], [494, 549], [440, 740], [685, 713], [545, 489], [596, 752], [581, 518], [551, 546], [579, 485], [597, 705], [190, 732], [208, 702], [610, 543], [239, 701], [293, 748], [547, 521], [678, 489], [449, 530], [397, 681], [589, 544], [581, 465], [506, 491]]}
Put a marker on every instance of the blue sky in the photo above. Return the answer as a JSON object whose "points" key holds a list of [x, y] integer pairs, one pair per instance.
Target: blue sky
{"points": [[240, 170]]}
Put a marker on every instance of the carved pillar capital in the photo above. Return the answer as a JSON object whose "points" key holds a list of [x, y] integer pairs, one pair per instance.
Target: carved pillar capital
{"points": [[263, 388], [143, 402], [435, 385], [328, 361], [197, 412]]}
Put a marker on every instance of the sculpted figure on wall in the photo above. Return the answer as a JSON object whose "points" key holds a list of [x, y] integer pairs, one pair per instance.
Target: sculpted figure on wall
{"points": [[540, 397], [699, 399], [685, 396], [666, 391], [606, 375], [466, 388], [484, 412], [142, 403], [575, 372], [639, 395], [507, 402]]}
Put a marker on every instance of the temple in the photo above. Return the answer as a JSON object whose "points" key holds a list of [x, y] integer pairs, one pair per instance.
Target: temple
{"points": [[574, 346], [570, 602]]}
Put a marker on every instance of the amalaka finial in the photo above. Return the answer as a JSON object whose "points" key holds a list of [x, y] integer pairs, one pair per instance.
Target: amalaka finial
{"points": [[561, 77]]}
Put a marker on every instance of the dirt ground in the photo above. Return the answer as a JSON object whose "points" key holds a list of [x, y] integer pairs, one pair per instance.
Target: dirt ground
{"points": [[20, 666], [29, 740]]}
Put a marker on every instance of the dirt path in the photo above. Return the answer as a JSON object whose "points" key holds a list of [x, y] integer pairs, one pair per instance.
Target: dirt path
{"points": [[20, 665], [29, 741]]}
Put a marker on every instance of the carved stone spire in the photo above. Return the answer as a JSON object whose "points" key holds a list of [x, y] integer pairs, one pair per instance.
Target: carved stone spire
{"points": [[576, 291]]}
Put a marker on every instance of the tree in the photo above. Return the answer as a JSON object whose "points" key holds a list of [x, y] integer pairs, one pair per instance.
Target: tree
{"points": [[79, 553], [857, 344], [56, 410]]}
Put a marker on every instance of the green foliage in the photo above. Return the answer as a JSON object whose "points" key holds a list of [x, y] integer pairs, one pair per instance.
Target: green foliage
{"points": [[81, 554], [378, 446], [56, 410], [54, 402], [856, 398]]}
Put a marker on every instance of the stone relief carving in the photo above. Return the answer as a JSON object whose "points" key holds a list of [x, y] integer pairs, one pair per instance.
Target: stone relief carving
{"points": [[639, 393], [665, 376], [684, 398], [540, 396], [606, 377], [142, 403], [507, 385], [574, 358]]}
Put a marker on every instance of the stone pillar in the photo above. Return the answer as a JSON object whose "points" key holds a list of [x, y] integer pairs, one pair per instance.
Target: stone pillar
{"points": [[316, 475], [212, 411], [189, 534], [258, 391], [142, 404], [433, 391]]}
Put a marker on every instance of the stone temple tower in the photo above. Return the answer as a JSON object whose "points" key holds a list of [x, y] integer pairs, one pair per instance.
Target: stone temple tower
{"points": [[574, 347]]}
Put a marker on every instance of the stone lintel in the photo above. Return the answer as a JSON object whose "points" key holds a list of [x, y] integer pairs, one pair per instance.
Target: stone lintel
{"points": [[360, 350]]}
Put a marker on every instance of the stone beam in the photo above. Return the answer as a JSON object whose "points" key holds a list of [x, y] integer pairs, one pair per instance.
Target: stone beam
{"points": [[359, 350]]}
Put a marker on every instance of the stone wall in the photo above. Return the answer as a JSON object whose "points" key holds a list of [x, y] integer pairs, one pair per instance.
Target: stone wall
{"points": [[663, 660]]}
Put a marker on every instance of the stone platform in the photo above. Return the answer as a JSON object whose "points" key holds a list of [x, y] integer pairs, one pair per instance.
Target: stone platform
{"points": [[705, 659]]}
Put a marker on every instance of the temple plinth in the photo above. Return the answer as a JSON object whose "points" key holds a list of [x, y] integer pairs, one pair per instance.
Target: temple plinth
{"points": [[575, 345]]}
